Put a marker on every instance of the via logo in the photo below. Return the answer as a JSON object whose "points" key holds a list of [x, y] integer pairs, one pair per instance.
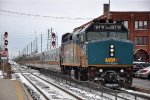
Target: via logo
{"points": [[111, 60]]}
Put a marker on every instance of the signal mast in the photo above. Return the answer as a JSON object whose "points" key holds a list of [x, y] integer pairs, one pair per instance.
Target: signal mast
{"points": [[52, 39]]}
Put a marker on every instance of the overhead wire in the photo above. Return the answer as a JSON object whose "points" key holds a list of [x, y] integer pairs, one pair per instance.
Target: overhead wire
{"points": [[38, 15], [18, 14]]}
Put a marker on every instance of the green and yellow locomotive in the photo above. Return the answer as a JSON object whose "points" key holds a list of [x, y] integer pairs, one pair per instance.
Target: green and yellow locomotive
{"points": [[99, 51]]}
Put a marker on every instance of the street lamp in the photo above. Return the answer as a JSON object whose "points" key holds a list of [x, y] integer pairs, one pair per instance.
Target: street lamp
{"points": [[109, 11]]}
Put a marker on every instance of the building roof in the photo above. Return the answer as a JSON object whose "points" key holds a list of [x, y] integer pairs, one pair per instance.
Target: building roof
{"points": [[111, 12]]}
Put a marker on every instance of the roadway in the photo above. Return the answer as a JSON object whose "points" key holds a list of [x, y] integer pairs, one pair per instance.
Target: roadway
{"points": [[141, 83]]}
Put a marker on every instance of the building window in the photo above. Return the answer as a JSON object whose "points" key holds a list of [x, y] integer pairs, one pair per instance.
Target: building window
{"points": [[138, 40], [141, 40], [145, 40], [145, 25], [141, 25], [125, 24], [136, 24]]}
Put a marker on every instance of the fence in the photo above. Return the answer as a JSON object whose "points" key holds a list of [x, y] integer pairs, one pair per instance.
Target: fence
{"points": [[105, 92]]}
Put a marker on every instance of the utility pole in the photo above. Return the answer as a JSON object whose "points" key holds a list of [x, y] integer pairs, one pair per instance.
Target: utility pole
{"points": [[51, 38], [36, 44], [1, 42], [36, 47], [31, 48], [56, 40], [19, 53], [48, 40], [27, 49], [41, 43]]}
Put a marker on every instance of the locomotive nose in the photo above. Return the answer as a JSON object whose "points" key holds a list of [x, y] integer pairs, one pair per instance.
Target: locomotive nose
{"points": [[110, 52]]}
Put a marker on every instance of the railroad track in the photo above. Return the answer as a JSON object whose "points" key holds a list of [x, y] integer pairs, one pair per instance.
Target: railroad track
{"points": [[50, 90], [78, 93], [39, 83], [100, 91], [84, 90], [74, 95], [39, 92]]}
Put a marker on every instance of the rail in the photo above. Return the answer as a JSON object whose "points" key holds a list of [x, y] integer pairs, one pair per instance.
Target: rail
{"points": [[92, 87], [36, 87], [77, 97]]}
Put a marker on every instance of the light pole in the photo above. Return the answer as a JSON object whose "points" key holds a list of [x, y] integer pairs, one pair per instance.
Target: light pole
{"points": [[41, 43], [31, 48], [109, 5], [109, 11]]}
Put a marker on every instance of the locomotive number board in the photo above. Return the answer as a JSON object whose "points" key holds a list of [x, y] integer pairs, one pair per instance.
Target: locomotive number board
{"points": [[107, 27]]}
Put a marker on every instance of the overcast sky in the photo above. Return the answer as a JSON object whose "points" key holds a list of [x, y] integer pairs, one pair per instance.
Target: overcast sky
{"points": [[23, 18]]}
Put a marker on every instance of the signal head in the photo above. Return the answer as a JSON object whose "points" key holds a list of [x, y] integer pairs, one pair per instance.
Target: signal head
{"points": [[6, 49], [6, 42], [53, 43], [6, 34], [53, 35]]}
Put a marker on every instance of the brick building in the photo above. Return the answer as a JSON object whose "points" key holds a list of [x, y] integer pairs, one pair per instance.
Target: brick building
{"points": [[138, 24]]}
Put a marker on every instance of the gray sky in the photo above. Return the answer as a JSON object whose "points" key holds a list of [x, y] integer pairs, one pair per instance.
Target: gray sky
{"points": [[22, 27]]}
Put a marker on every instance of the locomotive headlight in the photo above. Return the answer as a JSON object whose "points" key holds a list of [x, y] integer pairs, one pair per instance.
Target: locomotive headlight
{"points": [[100, 70], [111, 46], [122, 70], [111, 54], [111, 50]]}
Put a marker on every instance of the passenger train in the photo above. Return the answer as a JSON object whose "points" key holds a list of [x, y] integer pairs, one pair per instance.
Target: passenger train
{"points": [[99, 51]]}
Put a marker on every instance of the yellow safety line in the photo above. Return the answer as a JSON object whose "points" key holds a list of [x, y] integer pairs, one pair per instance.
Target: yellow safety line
{"points": [[18, 90]]}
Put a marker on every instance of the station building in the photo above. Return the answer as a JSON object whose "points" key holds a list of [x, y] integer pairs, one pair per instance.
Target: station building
{"points": [[138, 24]]}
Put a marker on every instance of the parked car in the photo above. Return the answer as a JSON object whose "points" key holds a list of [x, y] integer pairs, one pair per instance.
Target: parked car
{"points": [[144, 73], [138, 66]]}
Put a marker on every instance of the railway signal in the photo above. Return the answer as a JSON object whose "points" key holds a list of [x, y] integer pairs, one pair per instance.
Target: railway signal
{"points": [[6, 49], [53, 39], [6, 34], [6, 41], [53, 43], [53, 35]]}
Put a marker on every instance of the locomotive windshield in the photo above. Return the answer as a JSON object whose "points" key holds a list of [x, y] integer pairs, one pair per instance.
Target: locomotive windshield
{"points": [[105, 34]]}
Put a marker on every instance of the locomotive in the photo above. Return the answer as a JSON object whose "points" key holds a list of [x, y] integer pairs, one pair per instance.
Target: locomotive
{"points": [[99, 51]]}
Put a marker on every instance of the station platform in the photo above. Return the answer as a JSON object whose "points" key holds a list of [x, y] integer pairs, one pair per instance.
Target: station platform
{"points": [[13, 90]]}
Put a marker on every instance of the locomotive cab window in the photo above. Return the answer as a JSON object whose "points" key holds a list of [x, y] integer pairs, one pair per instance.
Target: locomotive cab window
{"points": [[82, 38], [101, 35], [70, 38]]}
